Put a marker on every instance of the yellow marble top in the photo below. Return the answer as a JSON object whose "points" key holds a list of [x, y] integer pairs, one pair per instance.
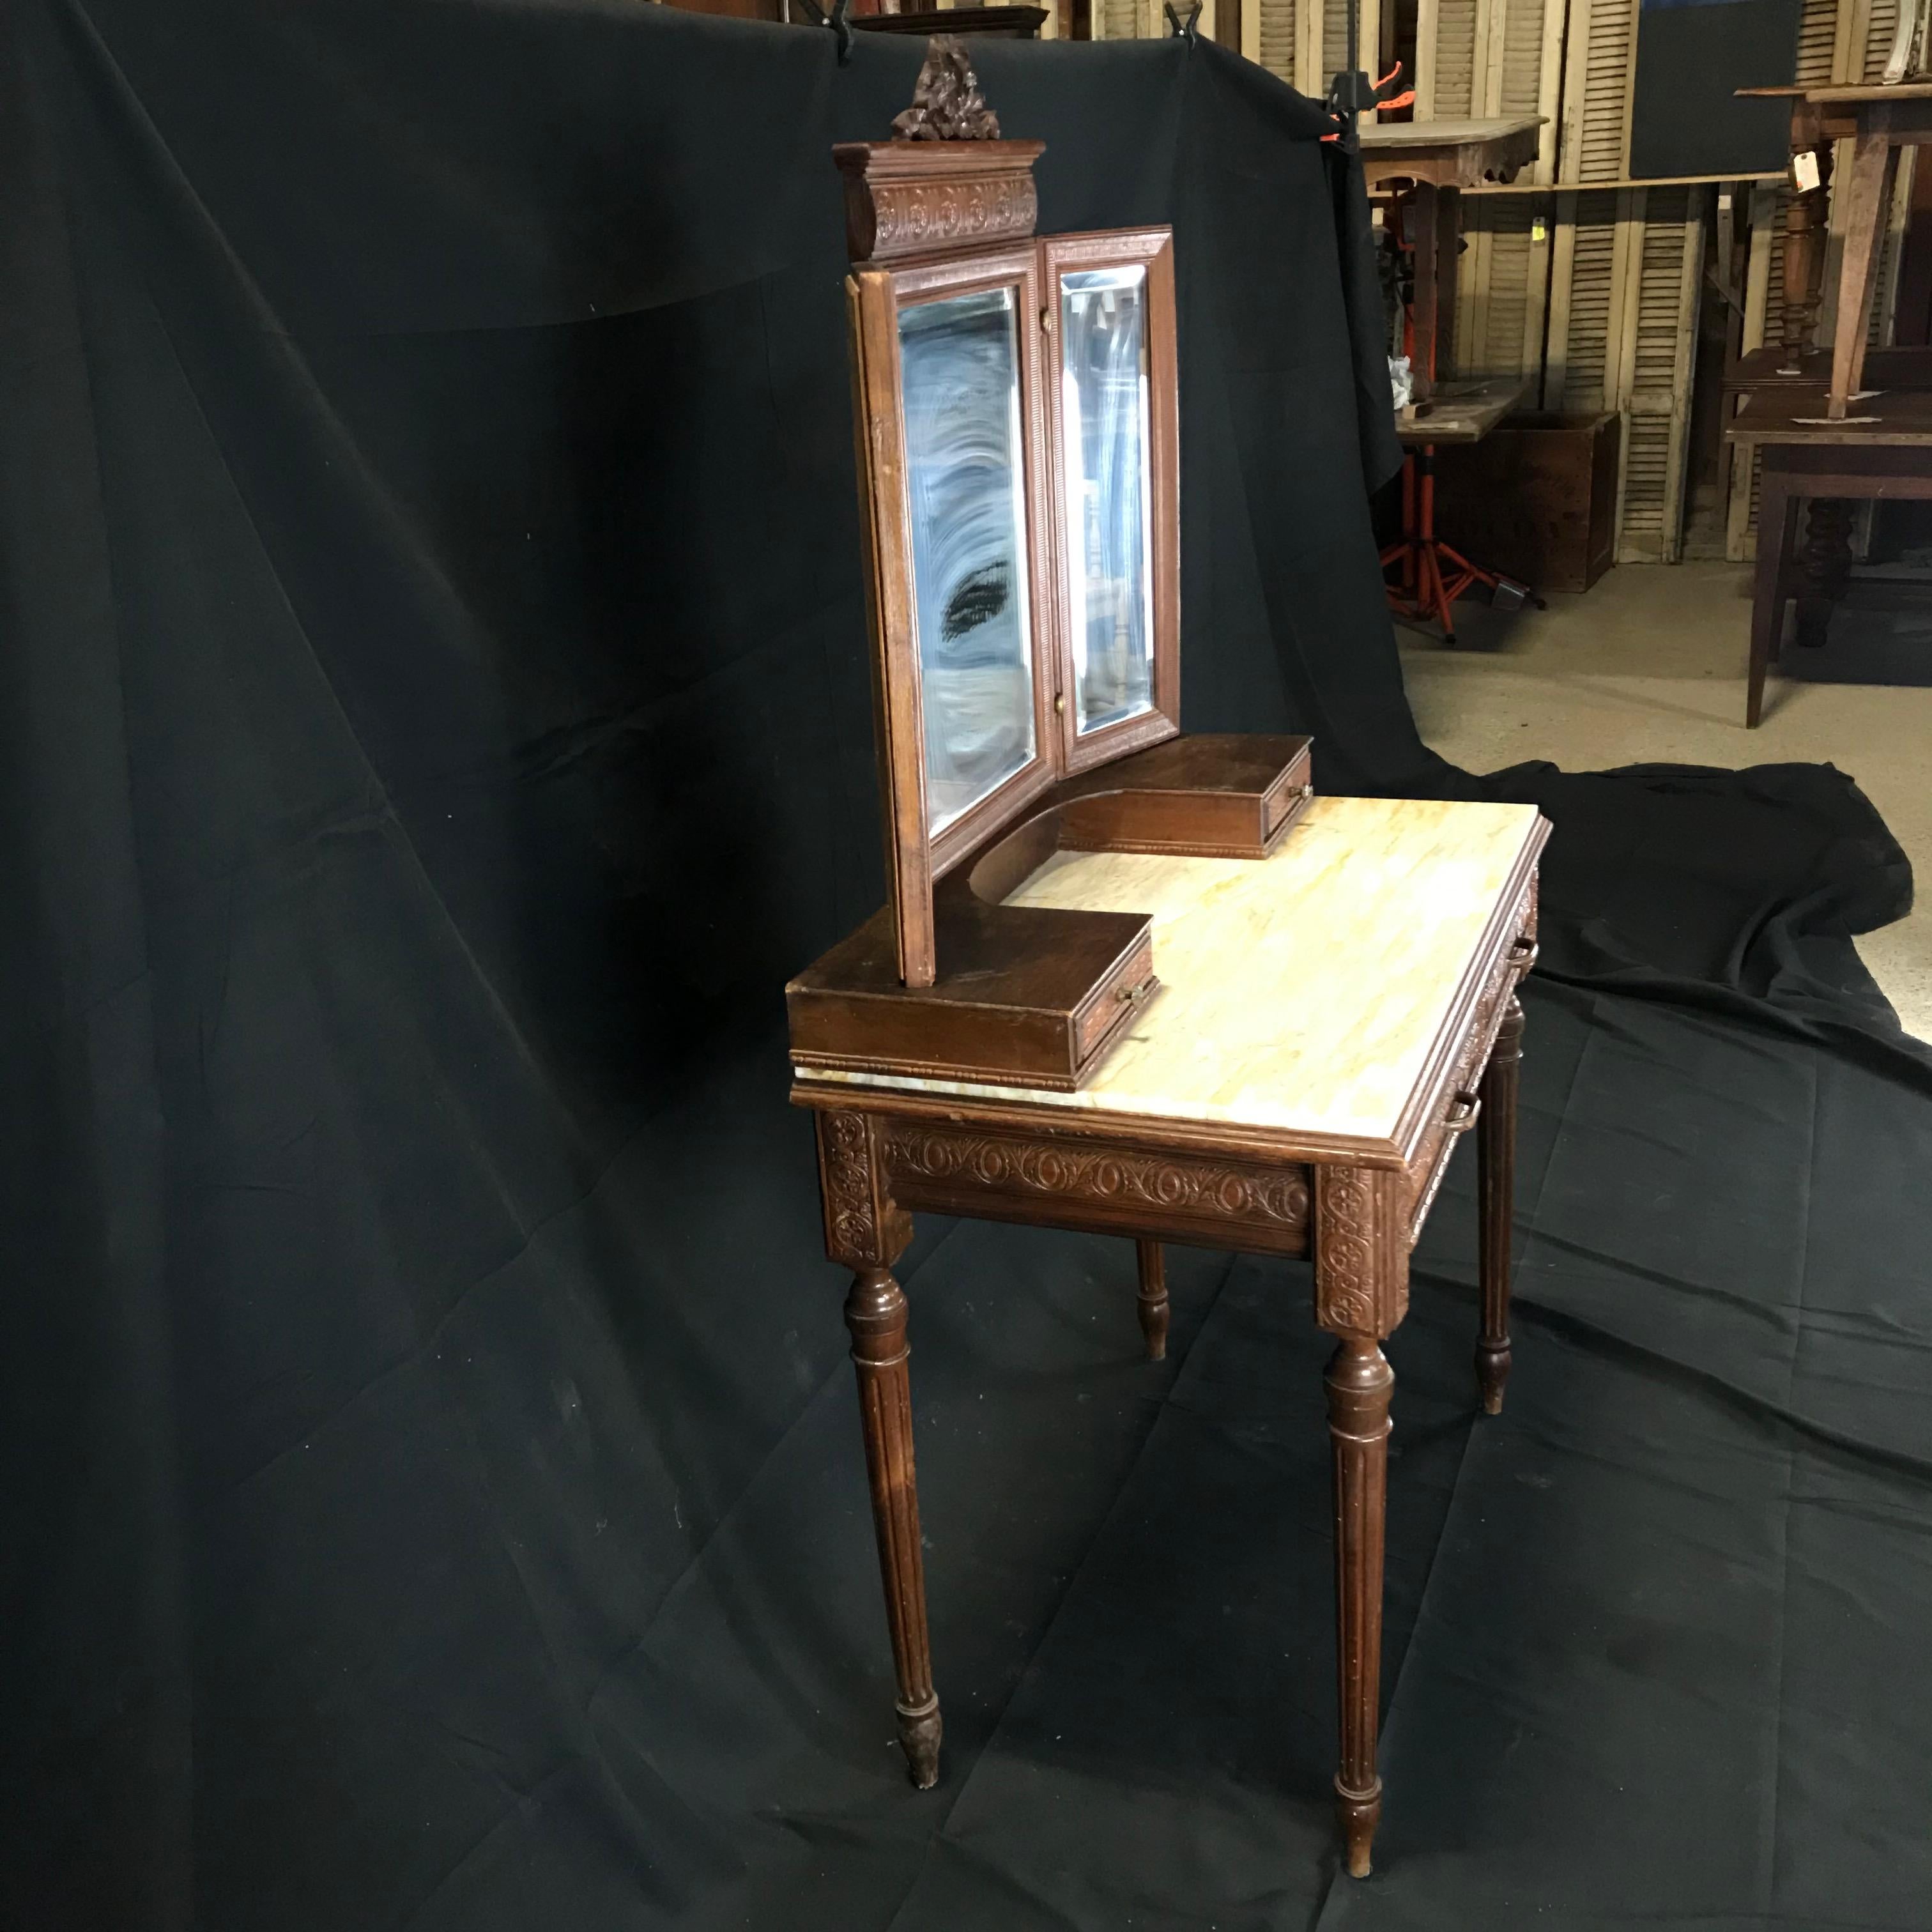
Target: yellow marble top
{"points": [[1302, 992]]}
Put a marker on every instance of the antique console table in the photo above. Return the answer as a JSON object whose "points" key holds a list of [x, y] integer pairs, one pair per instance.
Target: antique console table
{"points": [[1331, 1018]]}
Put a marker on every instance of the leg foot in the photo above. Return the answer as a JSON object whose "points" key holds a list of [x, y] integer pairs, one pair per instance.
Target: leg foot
{"points": [[1495, 1186], [1153, 1308], [919, 1738], [1359, 1812]]}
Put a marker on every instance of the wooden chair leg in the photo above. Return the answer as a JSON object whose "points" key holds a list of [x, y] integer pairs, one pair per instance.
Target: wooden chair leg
{"points": [[1153, 1309], [875, 1312], [1776, 517], [1496, 1185], [1360, 1383], [1866, 194]]}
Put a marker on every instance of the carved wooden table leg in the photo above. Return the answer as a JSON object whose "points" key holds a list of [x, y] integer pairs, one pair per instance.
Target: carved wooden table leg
{"points": [[1805, 216], [1824, 565], [1361, 1292], [865, 1229], [1153, 1297], [875, 1312], [1495, 1184]]}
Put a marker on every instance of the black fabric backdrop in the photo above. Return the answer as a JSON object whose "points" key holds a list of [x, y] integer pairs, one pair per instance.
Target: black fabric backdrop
{"points": [[435, 723]]}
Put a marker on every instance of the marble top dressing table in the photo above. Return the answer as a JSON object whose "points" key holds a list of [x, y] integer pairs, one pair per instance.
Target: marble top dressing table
{"points": [[1129, 981]]}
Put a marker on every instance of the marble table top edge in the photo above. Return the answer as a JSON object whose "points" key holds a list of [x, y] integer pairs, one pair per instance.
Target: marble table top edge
{"points": [[1362, 943]]}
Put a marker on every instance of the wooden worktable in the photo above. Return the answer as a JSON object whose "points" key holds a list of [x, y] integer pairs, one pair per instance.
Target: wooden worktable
{"points": [[1448, 154]]}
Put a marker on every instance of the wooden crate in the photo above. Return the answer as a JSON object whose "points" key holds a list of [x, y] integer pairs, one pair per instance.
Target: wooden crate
{"points": [[1536, 499]]}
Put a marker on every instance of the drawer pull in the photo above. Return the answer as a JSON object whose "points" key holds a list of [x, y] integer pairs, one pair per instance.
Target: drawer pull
{"points": [[1462, 1115], [1523, 953]]}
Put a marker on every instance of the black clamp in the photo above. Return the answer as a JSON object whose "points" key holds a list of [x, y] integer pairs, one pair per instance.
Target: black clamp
{"points": [[839, 20], [1183, 30]]}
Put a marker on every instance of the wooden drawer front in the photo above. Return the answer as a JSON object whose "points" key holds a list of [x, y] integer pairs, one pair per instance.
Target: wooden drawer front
{"points": [[1115, 1004], [1457, 1110], [1069, 1181]]}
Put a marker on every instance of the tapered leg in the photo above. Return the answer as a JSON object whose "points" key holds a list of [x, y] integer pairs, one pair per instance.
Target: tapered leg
{"points": [[1153, 1297], [1359, 1382], [1495, 1184], [875, 1312], [1867, 194], [1776, 521], [1361, 1293]]}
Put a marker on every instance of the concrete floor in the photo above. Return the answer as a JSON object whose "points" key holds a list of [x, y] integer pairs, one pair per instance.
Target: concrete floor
{"points": [[1649, 666]]}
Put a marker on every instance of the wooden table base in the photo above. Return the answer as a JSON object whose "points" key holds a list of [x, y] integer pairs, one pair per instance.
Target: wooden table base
{"points": [[1360, 1222], [1850, 468]]}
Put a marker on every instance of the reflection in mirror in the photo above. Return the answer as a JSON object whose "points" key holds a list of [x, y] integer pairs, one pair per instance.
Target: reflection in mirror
{"points": [[1109, 535], [959, 361]]}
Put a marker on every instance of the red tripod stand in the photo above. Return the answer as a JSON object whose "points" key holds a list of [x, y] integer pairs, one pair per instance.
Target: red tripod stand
{"points": [[1424, 588], [1430, 574]]}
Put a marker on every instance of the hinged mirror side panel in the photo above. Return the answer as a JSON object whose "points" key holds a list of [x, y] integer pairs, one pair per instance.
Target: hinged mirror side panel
{"points": [[1114, 434], [948, 386], [885, 546], [971, 391], [954, 459]]}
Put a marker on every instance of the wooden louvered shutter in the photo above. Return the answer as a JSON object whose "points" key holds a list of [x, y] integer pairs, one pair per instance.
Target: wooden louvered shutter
{"points": [[1286, 38], [1599, 64], [1445, 61], [1128, 19], [1503, 286], [1669, 263], [1524, 62], [1276, 38], [1589, 280]]}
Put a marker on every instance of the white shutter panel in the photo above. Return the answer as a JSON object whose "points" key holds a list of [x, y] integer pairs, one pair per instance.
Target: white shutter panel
{"points": [[1279, 44], [1599, 62], [1445, 61], [1503, 286], [1669, 266]]}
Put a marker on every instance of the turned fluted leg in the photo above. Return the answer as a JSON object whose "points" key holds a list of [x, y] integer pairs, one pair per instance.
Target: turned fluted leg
{"points": [[1824, 564], [875, 1312], [1361, 1293], [1359, 1382], [1153, 1297], [1805, 216], [1495, 1184], [866, 1230]]}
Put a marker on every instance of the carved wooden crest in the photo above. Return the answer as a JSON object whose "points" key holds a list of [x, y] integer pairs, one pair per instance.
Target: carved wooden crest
{"points": [[946, 103]]}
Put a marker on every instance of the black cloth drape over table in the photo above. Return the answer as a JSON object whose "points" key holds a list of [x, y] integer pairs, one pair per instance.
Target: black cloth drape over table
{"points": [[435, 723]]}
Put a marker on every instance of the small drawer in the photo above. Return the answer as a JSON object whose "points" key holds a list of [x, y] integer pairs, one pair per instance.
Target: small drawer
{"points": [[1114, 1004]]}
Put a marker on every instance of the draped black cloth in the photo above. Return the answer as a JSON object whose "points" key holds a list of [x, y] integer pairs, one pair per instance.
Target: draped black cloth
{"points": [[436, 723]]}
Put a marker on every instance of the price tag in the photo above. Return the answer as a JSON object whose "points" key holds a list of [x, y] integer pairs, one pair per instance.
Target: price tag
{"points": [[1804, 170]]}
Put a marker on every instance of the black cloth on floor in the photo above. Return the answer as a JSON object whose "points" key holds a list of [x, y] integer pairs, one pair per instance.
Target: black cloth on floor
{"points": [[435, 724]]}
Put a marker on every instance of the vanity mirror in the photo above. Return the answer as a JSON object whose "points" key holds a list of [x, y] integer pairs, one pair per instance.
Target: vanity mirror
{"points": [[1015, 414]]}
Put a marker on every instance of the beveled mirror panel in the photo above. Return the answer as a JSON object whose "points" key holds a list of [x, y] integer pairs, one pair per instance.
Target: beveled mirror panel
{"points": [[959, 359], [1106, 470], [1114, 435]]}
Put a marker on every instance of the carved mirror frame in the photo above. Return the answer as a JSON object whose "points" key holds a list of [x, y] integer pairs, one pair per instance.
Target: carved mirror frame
{"points": [[928, 219]]}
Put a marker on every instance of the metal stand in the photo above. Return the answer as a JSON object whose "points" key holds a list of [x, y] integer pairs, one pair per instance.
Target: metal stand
{"points": [[1431, 574]]}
